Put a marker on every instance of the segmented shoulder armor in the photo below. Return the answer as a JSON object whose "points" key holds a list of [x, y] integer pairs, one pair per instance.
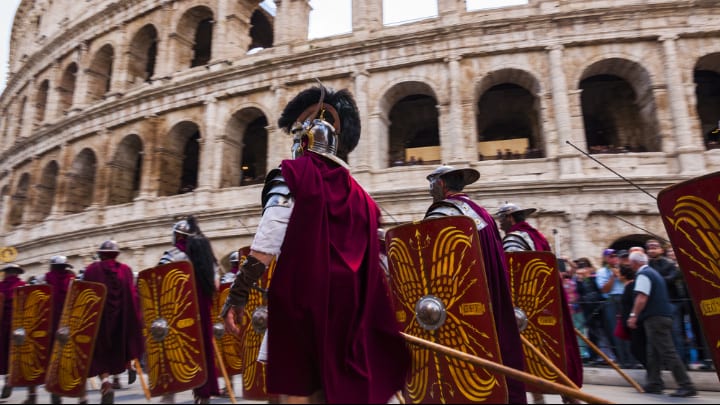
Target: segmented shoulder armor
{"points": [[518, 242], [173, 255], [276, 192], [445, 208]]}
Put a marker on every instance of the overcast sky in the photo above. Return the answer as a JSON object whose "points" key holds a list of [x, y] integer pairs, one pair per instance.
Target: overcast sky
{"points": [[329, 17]]}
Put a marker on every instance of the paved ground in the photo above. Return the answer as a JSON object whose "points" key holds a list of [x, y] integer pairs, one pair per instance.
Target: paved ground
{"points": [[603, 383]]}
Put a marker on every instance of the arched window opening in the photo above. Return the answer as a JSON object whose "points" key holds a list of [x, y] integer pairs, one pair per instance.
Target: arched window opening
{"points": [[707, 92], [142, 56], [125, 171], [261, 30], [81, 177], [19, 200], [100, 73], [67, 87], [46, 191], [254, 152], [414, 131], [507, 124], [203, 43], [41, 101], [191, 160]]}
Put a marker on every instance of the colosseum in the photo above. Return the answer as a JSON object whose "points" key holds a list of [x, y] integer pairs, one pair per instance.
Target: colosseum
{"points": [[120, 117]]}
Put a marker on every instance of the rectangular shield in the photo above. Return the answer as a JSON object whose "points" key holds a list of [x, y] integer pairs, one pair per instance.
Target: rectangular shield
{"points": [[229, 346], [536, 291], [690, 211], [441, 295], [30, 335], [75, 338], [172, 330]]}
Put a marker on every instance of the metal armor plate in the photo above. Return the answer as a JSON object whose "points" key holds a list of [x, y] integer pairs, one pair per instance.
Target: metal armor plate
{"points": [[75, 338], [229, 346], [536, 289], [253, 327], [173, 335], [30, 335], [441, 295], [690, 211]]}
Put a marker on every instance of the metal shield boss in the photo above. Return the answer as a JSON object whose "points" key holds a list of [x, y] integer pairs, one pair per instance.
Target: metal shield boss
{"points": [[441, 295], [254, 325], [75, 338], [690, 211], [172, 330], [536, 290], [30, 335]]}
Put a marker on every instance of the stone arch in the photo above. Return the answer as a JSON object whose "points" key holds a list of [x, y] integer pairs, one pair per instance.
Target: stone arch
{"points": [[507, 116], [19, 200], [193, 37], [46, 191], [180, 159], [80, 182], [414, 123], [4, 192], [99, 74], [66, 90], [707, 92], [618, 107], [142, 56], [41, 98], [245, 150], [125, 170], [20, 123]]}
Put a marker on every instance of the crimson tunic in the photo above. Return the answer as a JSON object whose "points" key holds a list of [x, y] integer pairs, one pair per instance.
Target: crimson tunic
{"points": [[331, 322], [59, 280], [119, 337], [7, 288]]}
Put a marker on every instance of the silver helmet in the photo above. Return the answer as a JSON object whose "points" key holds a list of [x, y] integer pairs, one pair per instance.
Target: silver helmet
{"points": [[109, 246], [59, 261], [234, 257], [183, 227]]}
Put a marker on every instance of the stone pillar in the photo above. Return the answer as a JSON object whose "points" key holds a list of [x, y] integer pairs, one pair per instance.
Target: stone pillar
{"points": [[460, 142], [52, 112], [65, 158], [212, 153], [569, 158], [378, 156], [689, 148], [104, 170], [231, 34], [278, 141], [165, 61], [578, 230], [29, 213], [292, 18], [81, 80], [359, 159], [150, 176], [119, 78], [366, 16], [450, 10]]}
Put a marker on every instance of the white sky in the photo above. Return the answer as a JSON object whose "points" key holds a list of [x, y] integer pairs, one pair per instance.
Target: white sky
{"points": [[328, 17]]}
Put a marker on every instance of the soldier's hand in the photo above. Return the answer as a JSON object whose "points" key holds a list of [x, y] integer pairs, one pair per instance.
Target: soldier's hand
{"points": [[230, 320]]}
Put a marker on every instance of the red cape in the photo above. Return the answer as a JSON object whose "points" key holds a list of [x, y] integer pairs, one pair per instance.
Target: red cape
{"points": [[331, 321]]}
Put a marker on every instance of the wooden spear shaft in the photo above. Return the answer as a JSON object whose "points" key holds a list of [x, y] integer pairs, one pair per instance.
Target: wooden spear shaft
{"points": [[609, 361], [508, 371]]}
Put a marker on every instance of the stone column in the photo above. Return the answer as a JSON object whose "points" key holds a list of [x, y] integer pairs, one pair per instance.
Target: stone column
{"points": [[359, 159], [379, 125], [460, 143], [119, 78], [81, 80], [689, 148], [104, 170], [450, 10], [65, 158], [52, 112], [292, 18], [366, 16], [569, 158], [578, 230], [231, 34], [210, 150], [278, 141]]}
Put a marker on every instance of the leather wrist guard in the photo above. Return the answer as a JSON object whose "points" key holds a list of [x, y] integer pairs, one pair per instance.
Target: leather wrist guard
{"points": [[249, 273]]}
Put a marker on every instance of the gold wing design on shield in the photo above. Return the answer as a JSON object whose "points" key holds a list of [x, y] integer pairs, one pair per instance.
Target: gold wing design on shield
{"points": [[536, 294], [229, 345], [31, 357], [447, 276], [81, 316], [178, 348], [699, 221]]}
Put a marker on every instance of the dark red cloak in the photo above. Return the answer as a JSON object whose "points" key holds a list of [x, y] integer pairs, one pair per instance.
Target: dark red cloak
{"points": [[331, 321], [7, 288], [59, 280], [119, 337]]}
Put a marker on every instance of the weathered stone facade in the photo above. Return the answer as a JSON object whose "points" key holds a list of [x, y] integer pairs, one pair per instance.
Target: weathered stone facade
{"points": [[112, 108]]}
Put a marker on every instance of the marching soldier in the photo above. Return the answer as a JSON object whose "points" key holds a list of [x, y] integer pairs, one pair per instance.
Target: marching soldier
{"points": [[9, 283], [190, 244], [331, 328], [119, 339], [521, 236], [446, 188]]}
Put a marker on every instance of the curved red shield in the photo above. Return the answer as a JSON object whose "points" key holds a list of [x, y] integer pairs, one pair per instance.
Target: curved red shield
{"points": [[229, 346], [254, 373], [441, 295], [536, 289], [30, 335], [172, 329], [691, 214], [75, 338]]}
